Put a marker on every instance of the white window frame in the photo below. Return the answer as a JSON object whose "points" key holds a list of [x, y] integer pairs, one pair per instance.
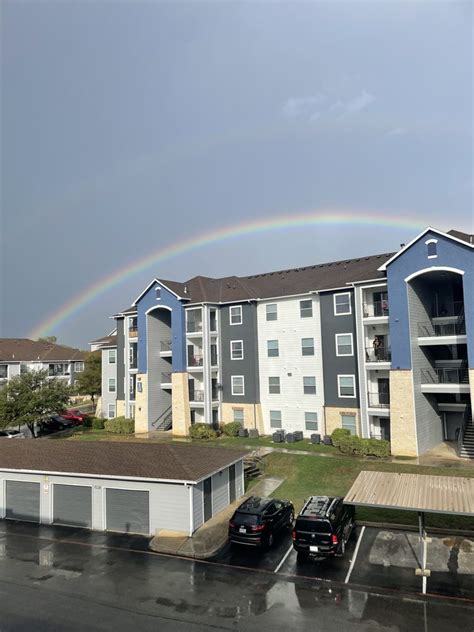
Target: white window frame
{"points": [[275, 305], [270, 418], [302, 347], [339, 386], [427, 244], [115, 356], [80, 364], [238, 410], [7, 372], [232, 379], [274, 377], [355, 421], [114, 390], [277, 349], [110, 407], [311, 412], [232, 342], [232, 307], [335, 305], [306, 300], [341, 355], [313, 377]]}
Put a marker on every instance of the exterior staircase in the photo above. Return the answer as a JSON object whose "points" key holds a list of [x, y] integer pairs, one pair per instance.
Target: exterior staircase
{"points": [[467, 445], [164, 421]]}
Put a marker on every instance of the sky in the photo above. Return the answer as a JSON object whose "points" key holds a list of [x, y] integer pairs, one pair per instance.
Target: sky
{"points": [[129, 126]]}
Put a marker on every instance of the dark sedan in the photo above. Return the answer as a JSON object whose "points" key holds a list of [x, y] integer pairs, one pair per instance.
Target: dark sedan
{"points": [[259, 520]]}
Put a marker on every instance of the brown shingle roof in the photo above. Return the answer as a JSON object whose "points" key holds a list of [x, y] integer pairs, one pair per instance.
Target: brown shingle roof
{"points": [[106, 341], [25, 350], [469, 239], [124, 459]]}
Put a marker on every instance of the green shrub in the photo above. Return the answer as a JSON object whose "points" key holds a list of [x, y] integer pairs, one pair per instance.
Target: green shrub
{"points": [[363, 447], [87, 423], [338, 434], [120, 425], [202, 431], [97, 423], [350, 444], [378, 447], [232, 429]]}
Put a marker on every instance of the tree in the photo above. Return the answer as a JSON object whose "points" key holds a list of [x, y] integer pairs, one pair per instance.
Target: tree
{"points": [[52, 339], [30, 397], [90, 380]]}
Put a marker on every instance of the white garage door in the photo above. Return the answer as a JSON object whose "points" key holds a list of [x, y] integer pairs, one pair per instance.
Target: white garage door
{"points": [[128, 511], [23, 501], [72, 505]]}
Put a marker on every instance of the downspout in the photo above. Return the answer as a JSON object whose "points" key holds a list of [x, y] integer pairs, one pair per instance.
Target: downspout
{"points": [[191, 513]]}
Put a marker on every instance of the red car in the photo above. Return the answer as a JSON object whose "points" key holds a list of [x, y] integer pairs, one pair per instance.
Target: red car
{"points": [[75, 415]]}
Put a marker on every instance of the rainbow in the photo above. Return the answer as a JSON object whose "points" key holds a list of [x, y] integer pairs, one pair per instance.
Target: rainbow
{"points": [[281, 222]]}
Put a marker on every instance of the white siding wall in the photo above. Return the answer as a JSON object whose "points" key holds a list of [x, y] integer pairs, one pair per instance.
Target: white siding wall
{"points": [[289, 329], [108, 370], [220, 491], [198, 507]]}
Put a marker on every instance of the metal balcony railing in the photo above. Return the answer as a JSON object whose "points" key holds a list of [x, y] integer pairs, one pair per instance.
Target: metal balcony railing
{"points": [[166, 345], [166, 378], [376, 309], [378, 355], [454, 308], [195, 360], [444, 376], [428, 329], [194, 326], [378, 400], [196, 396], [132, 332]]}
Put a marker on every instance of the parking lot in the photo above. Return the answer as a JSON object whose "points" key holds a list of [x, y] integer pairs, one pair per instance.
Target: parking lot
{"points": [[375, 558]]}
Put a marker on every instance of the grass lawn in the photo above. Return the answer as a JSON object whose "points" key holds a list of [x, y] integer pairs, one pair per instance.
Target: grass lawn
{"points": [[306, 476]]}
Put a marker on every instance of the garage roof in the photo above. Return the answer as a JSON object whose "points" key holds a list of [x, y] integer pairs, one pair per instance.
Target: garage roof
{"points": [[413, 492], [169, 462]]}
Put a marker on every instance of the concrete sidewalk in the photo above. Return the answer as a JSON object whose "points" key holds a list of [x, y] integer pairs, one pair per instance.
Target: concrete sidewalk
{"points": [[211, 538]]}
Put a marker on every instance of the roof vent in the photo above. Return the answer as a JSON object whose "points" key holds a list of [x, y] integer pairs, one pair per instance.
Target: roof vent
{"points": [[185, 289], [402, 245]]}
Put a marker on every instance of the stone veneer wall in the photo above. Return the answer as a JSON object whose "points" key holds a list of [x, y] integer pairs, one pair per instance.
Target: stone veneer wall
{"points": [[180, 404], [402, 413], [333, 418], [141, 404], [252, 415]]}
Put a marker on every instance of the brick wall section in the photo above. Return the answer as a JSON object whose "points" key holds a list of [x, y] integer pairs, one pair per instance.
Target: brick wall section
{"points": [[252, 415], [333, 418], [180, 403], [141, 404], [402, 413]]}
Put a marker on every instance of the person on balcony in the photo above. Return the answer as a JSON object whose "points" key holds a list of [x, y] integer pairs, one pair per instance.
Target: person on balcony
{"points": [[378, 347]]}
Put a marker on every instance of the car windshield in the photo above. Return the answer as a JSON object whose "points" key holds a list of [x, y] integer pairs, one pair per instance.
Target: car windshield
{"points": [[315, 526], [245, 519]]}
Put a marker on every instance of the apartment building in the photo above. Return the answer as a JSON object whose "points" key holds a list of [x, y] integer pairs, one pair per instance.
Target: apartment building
{"points": [[20, 355], [382, 345], [107, 402]]}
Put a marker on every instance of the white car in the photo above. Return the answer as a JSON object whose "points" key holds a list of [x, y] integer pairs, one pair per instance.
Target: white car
{"points": [[11, 434]]}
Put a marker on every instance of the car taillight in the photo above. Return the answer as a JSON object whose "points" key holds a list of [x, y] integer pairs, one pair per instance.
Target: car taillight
{"points": [[293, 535], [334, 539], [258, 527], [232, 524]]}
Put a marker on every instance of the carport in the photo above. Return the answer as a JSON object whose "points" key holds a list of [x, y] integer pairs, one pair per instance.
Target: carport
{"points": [[414, 492]]}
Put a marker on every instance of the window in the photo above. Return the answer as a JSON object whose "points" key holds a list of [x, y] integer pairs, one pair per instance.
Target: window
{"points": [[236, 350], [58, 369], [238, 415], [274, 385], [78, 367], [158, 292], [112, 387], [23, 368], [349, 422], [307, 346], [344, 345], [275, 419], [235, 315], [306, 308], [3, 371], [342, 304], [272, 311], [311, 421], [237, 382], [112, 356], [432, 248], [272, 348], [346, 385], [111, 411], [309, 385]]}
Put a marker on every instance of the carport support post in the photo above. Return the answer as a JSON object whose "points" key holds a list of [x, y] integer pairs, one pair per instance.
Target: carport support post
{"points": [[423, 540]]}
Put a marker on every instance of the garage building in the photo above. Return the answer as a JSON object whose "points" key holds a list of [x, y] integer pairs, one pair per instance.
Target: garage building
{"points": [[118, 486]]}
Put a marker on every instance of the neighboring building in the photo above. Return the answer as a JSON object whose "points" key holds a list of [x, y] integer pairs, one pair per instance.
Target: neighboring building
{"points": [[107, 402], [310, 349], [19, 355]]}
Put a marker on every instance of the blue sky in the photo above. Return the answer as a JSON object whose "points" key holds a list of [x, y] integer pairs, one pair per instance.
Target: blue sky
{"points": [[128, 126]]}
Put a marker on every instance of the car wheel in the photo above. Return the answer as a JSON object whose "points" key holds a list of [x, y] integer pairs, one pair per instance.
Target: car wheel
{"points": [[343, 547], [290, 522], [270, 540]]}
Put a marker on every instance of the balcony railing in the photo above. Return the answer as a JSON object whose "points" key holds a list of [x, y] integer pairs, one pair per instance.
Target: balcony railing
{"points": [[378, 355], [166, 345], [166, 378], [444, 376], [195, 360], [455, 308], [132, 332], [194, 326], [378, 400], [428, 329], [376, 309], [196, 396]]}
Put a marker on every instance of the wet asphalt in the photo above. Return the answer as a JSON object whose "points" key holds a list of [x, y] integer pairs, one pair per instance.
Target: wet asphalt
{"points": [[55, 578]]}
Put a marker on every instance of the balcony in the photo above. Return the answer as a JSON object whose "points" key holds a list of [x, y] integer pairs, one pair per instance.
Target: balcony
{"points": [[378, 400], [378, 355], [376, 309], [443, 330], [166, 348], [195, 361], [196, 396], [194, 327], [165, 380], [132, 332], [453, 309], [446, 380]]}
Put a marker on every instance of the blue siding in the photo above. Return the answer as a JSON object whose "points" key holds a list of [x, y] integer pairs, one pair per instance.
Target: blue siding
{"points": [[167, 299], [451, 254]]}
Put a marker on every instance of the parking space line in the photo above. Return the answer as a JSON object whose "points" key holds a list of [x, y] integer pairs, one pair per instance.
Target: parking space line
{"points": [[284, 559], [356, 551]]}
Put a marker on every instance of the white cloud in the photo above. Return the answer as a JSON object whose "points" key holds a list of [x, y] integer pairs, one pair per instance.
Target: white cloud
{"points": [[360, 102], [309, 108], [297, 106]]}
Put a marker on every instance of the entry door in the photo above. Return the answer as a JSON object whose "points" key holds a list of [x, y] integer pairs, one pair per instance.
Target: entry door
{"points": [[207, 499], [384, 390], [232, 491], [23, 501]]}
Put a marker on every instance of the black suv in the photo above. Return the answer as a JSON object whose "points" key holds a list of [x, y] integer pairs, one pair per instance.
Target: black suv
{"points": [[258, 520], [323, 527]]}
